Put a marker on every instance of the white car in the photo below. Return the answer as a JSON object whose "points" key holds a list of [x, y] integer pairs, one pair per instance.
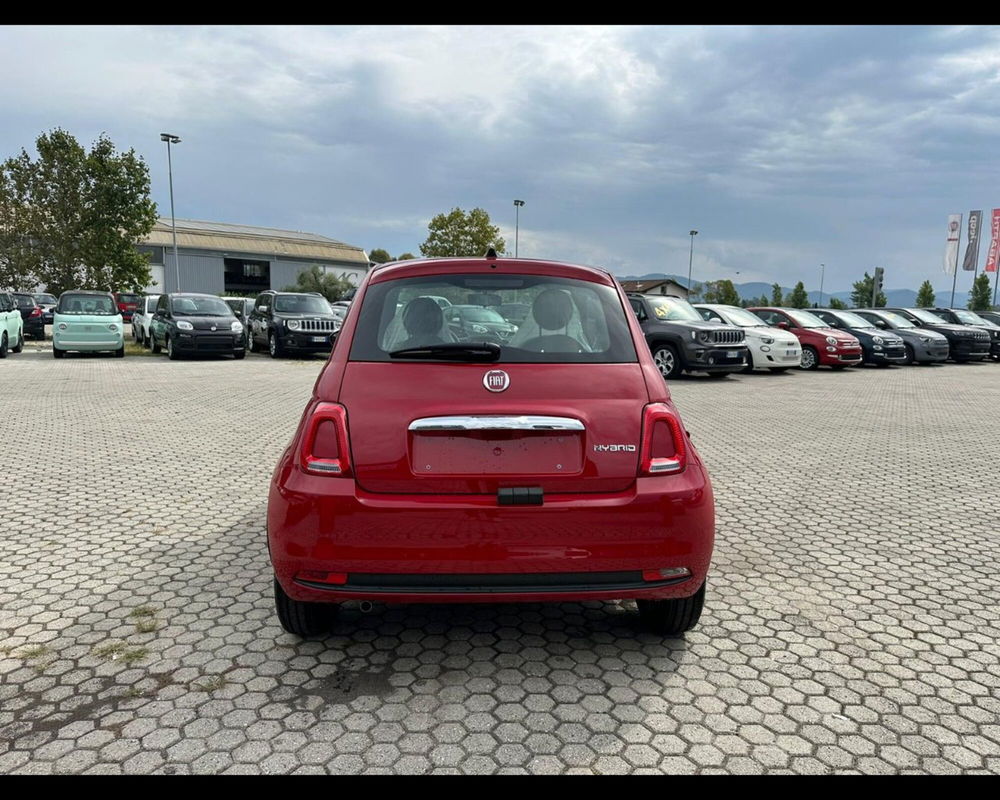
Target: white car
{"points": [[11, 326], [769, 348], [141, 317]]}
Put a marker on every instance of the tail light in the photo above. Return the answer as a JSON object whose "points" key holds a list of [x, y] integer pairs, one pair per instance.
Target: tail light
{"points": [[664, 443], [325, 449], [36, 312]]}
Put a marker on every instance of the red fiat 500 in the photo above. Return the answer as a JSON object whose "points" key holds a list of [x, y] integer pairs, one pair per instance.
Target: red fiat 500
{"points": [[821, 344], [434, 463]]}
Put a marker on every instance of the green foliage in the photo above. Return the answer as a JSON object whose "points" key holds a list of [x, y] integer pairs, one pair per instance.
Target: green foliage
{"points": [[722, 292], [314, 279], [925, 295], [695, 293], [763, 301], [776, 296], [379, 256], [72, 218], [861, 294], [979, 297], [406, 256], [459, 234], [836, 302], [798, 297]]}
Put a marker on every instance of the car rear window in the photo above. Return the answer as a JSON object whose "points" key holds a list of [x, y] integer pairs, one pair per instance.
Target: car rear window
{"points": [[128, 298], [24, 301], [567, 321]]}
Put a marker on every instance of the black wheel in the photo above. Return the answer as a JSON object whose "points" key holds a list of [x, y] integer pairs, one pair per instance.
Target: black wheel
{"points": [[152, 343], [56, 352], [274, 346], [667, 361], [302, 619], [238, 354], [172, 353], [120, 352], [911, 357], [135, 335], [249, 338], [749, 367], [810, 359], [3, 345], [672, 617], [17, 348]]}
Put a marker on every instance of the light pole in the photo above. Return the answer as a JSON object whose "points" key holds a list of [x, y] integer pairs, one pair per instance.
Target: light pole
{"points": [[822, 272], [517, 222], [170, 139], [690, 261]]}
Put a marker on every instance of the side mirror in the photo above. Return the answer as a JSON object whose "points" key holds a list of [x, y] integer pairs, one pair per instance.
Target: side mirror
{"points": [[263, 308], [783, 326], [881, 323]]}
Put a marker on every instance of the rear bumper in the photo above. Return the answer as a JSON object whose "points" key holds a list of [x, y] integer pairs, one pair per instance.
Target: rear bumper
{"points": [[467, 548]]}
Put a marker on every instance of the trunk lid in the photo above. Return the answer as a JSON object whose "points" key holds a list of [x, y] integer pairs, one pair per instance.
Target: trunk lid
{"points": [[486, 443]]}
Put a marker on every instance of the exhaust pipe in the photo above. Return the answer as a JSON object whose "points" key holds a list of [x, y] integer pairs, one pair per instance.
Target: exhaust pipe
{"points": [[365, 606]]}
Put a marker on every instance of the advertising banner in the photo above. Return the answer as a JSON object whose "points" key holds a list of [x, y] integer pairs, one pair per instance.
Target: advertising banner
{"points": [[951, 249], [991, 259], [971, 261]]}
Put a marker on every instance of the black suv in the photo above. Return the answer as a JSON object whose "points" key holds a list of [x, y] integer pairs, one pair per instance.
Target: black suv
{"points": [[681, 341], [186, 323], [962, 316], [964, 343], [879, 347], [291, 321], [31, 313]]}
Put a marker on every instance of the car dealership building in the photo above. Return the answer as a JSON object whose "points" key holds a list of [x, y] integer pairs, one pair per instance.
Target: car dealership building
{"points": [[220, 258]]}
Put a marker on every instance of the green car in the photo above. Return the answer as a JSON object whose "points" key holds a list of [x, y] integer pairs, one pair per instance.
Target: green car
{"points": [[87, 322]]}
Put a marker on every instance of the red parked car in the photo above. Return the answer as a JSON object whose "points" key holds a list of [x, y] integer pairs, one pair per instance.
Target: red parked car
{"points": [[127, 304], [821, 344], [434, 466]]}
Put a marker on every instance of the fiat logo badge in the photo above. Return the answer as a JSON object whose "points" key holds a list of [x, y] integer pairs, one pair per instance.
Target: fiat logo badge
{"points": [[496, 380]]}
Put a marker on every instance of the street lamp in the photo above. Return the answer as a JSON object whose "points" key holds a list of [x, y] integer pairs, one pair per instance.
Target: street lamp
{"points": [[690, 260], [517, 222], [822, 272], [170, 139]]}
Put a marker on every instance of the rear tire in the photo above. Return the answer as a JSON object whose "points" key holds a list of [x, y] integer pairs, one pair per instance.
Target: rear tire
{"points": [[674, 616], [302, 619]]}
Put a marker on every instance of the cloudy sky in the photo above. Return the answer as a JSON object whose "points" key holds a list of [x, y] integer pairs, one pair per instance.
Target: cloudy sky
{"points": [[784, 147]]}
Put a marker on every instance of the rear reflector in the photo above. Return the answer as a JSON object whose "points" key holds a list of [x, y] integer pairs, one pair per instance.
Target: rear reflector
{"points": [[324, 449], [671, 574], [335, 578], [664, 449]]}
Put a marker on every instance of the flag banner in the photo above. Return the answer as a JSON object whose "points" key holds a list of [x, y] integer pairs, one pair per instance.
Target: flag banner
{"points": [[991, 259], [971, 261], [951, 250]]}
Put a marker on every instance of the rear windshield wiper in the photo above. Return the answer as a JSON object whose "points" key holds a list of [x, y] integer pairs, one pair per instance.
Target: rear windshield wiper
{"points": [[452, 351]]}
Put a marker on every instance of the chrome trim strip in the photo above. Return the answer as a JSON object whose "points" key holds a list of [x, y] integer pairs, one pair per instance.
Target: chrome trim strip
{"points": [[496, 423]]}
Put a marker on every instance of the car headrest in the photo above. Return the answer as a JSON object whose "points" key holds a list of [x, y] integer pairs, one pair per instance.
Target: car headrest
{"points": [[422, 317], [552, 309]]}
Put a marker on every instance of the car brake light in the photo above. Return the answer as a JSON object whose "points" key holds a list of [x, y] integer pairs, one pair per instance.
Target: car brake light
{"points": [[324, 449], [36, 312], [664, 445]]}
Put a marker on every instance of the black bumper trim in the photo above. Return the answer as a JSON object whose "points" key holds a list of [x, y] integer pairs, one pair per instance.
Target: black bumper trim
{"points": [[493, 583]]}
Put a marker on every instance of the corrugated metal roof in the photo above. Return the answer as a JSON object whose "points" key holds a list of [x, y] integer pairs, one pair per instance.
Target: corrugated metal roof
{"points": [[250, 239]]}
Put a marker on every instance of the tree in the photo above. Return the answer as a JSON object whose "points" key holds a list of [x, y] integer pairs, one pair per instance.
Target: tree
{"points": [[798, 297], [764, 301], [459, 234], [406, 257], [722, 292], [861, 295], [776, 298], [979, 297], [379, 256], [836, 302], [75, 217], [314, 279], [925, 295]]}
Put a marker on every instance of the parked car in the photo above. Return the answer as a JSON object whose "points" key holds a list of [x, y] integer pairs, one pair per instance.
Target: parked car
{"points": [[188, 324], [681, 341], [821, 344], [47, 302], [962, 316], [991, 316], [767, 348], [32, 315], [964, 343], [87, 322], [11, 326], [923, 346], [476, 322], [514, 313], [241, 306], [553, 467], [141, 318], [878, 346], [127, 303], [283, 322]]}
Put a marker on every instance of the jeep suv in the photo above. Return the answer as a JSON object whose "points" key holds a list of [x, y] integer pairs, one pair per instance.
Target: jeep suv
{"points": [[681, 341], [964, 343], [553, 467], [291, 321], [962, 316]]}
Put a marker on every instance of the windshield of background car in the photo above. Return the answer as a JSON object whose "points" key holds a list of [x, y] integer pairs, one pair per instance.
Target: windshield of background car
{"points": [[673, 309], [128, 298], [743, 318], [897, 320], [568, 321], [482, 315], [301, 304], [926, 316], [48, 299], [970, 318], [86, 304], [200, 307], [806, 320], [853, 320]]}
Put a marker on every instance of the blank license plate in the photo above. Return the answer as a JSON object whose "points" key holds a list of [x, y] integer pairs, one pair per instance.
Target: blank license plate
{"points": [[732, 354], [319, 338]]}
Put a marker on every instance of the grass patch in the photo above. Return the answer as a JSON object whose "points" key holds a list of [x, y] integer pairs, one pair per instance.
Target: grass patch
{"points": [[135, 349], [115, 651], [210, 684], [144, 618], [38, 656]]}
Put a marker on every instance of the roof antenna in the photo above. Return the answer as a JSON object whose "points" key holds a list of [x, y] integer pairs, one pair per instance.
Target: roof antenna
{"points": [[491, 253]]}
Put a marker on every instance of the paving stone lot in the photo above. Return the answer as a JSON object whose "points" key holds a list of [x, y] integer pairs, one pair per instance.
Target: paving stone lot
{"points": [[851, 621]]}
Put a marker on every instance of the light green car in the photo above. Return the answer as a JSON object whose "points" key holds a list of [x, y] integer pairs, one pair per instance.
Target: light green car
{"points": [[87, 322], [11, 326]]}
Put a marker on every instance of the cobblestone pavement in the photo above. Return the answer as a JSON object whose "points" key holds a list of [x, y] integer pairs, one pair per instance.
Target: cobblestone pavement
{"points": [[851, 621]]}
